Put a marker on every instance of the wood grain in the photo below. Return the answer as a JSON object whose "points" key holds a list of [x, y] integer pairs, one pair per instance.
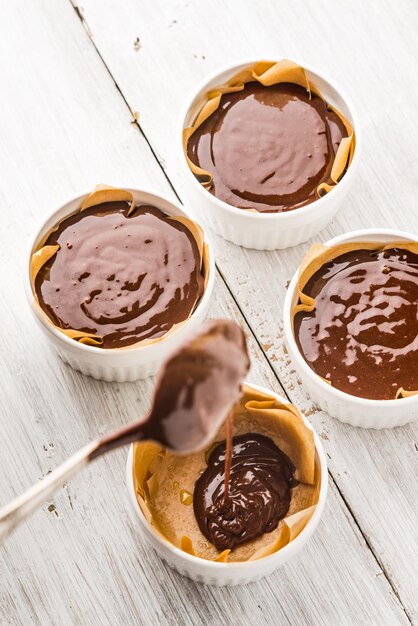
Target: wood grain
{"points": [[374, 64], [81, 559]]}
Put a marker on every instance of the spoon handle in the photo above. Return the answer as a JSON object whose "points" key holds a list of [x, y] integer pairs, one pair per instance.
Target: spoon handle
{"points": [[18, 509]]}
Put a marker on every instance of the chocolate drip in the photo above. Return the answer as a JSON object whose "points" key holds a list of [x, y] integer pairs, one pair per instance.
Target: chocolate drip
{"points": [[259, 491], [268, 148], [198, 386], [362, 335], [229, 424], [122, 278]]}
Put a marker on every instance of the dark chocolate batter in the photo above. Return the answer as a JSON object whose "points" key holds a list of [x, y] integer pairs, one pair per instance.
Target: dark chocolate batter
{"points": [[268, 148], [363, 333], [259, 491], [123, 278]]}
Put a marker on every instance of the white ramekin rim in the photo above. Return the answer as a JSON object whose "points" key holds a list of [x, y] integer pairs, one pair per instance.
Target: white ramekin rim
{"points": [[242, 565], [387, 234], [115, 352], [304, 211]]}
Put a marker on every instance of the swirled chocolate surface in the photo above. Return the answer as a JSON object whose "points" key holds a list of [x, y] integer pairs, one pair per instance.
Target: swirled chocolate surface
{"points": [[259, 491], [122, 278], [198, 386], [268, 148], [362, 335]]}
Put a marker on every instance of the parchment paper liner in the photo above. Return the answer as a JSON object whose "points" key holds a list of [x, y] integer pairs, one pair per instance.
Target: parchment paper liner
{"points": [[160, 476], [319, 254], [101, 194], [270, 73]]}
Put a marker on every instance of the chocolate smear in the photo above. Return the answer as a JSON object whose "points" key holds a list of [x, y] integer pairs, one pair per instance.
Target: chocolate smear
{"points": [[259, 491]]}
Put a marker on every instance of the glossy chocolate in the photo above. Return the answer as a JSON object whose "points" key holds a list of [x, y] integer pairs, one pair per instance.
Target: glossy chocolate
{"points": [[363, 333], [259, 491], [268, 148], [198, 386], [122, 278]]}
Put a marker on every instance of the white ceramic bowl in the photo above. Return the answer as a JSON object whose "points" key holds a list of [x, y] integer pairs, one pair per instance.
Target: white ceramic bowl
{"points": [[345, 407], [264, 231], [222, 574], [116, 364]]}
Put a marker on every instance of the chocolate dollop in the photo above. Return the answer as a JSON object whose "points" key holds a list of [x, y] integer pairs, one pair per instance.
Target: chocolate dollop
{"points": [[198, 386], [122, 277], [362, 335], [259, 491], [268, 148]]}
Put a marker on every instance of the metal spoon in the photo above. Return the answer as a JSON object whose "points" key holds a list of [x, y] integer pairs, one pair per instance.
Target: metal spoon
{"points": [[196, 388]]}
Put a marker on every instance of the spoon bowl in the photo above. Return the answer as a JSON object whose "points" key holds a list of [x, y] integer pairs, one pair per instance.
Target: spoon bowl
{"points": [[196, 388]]}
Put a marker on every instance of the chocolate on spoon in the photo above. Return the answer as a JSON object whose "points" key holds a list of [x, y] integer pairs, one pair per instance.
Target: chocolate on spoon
{"points": [[195, 391]]}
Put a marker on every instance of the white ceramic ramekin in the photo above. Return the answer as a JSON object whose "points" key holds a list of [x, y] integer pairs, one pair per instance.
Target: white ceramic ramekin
{"points": [[223, 574], [116, 364], [356, 411], [268, 231]]}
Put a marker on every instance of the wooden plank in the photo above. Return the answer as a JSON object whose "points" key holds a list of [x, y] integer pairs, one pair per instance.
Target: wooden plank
{"points": [[81, 559], [372, 49]]}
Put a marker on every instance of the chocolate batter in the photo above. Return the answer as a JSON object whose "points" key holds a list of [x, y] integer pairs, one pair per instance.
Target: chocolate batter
{"points": [[268, 148], [198, 386], [196, 389], [259, 491], [363, 333], [123, 278]]}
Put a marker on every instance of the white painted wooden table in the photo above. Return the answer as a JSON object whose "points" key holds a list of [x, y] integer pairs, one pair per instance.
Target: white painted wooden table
{"points": [[71, 78]]}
